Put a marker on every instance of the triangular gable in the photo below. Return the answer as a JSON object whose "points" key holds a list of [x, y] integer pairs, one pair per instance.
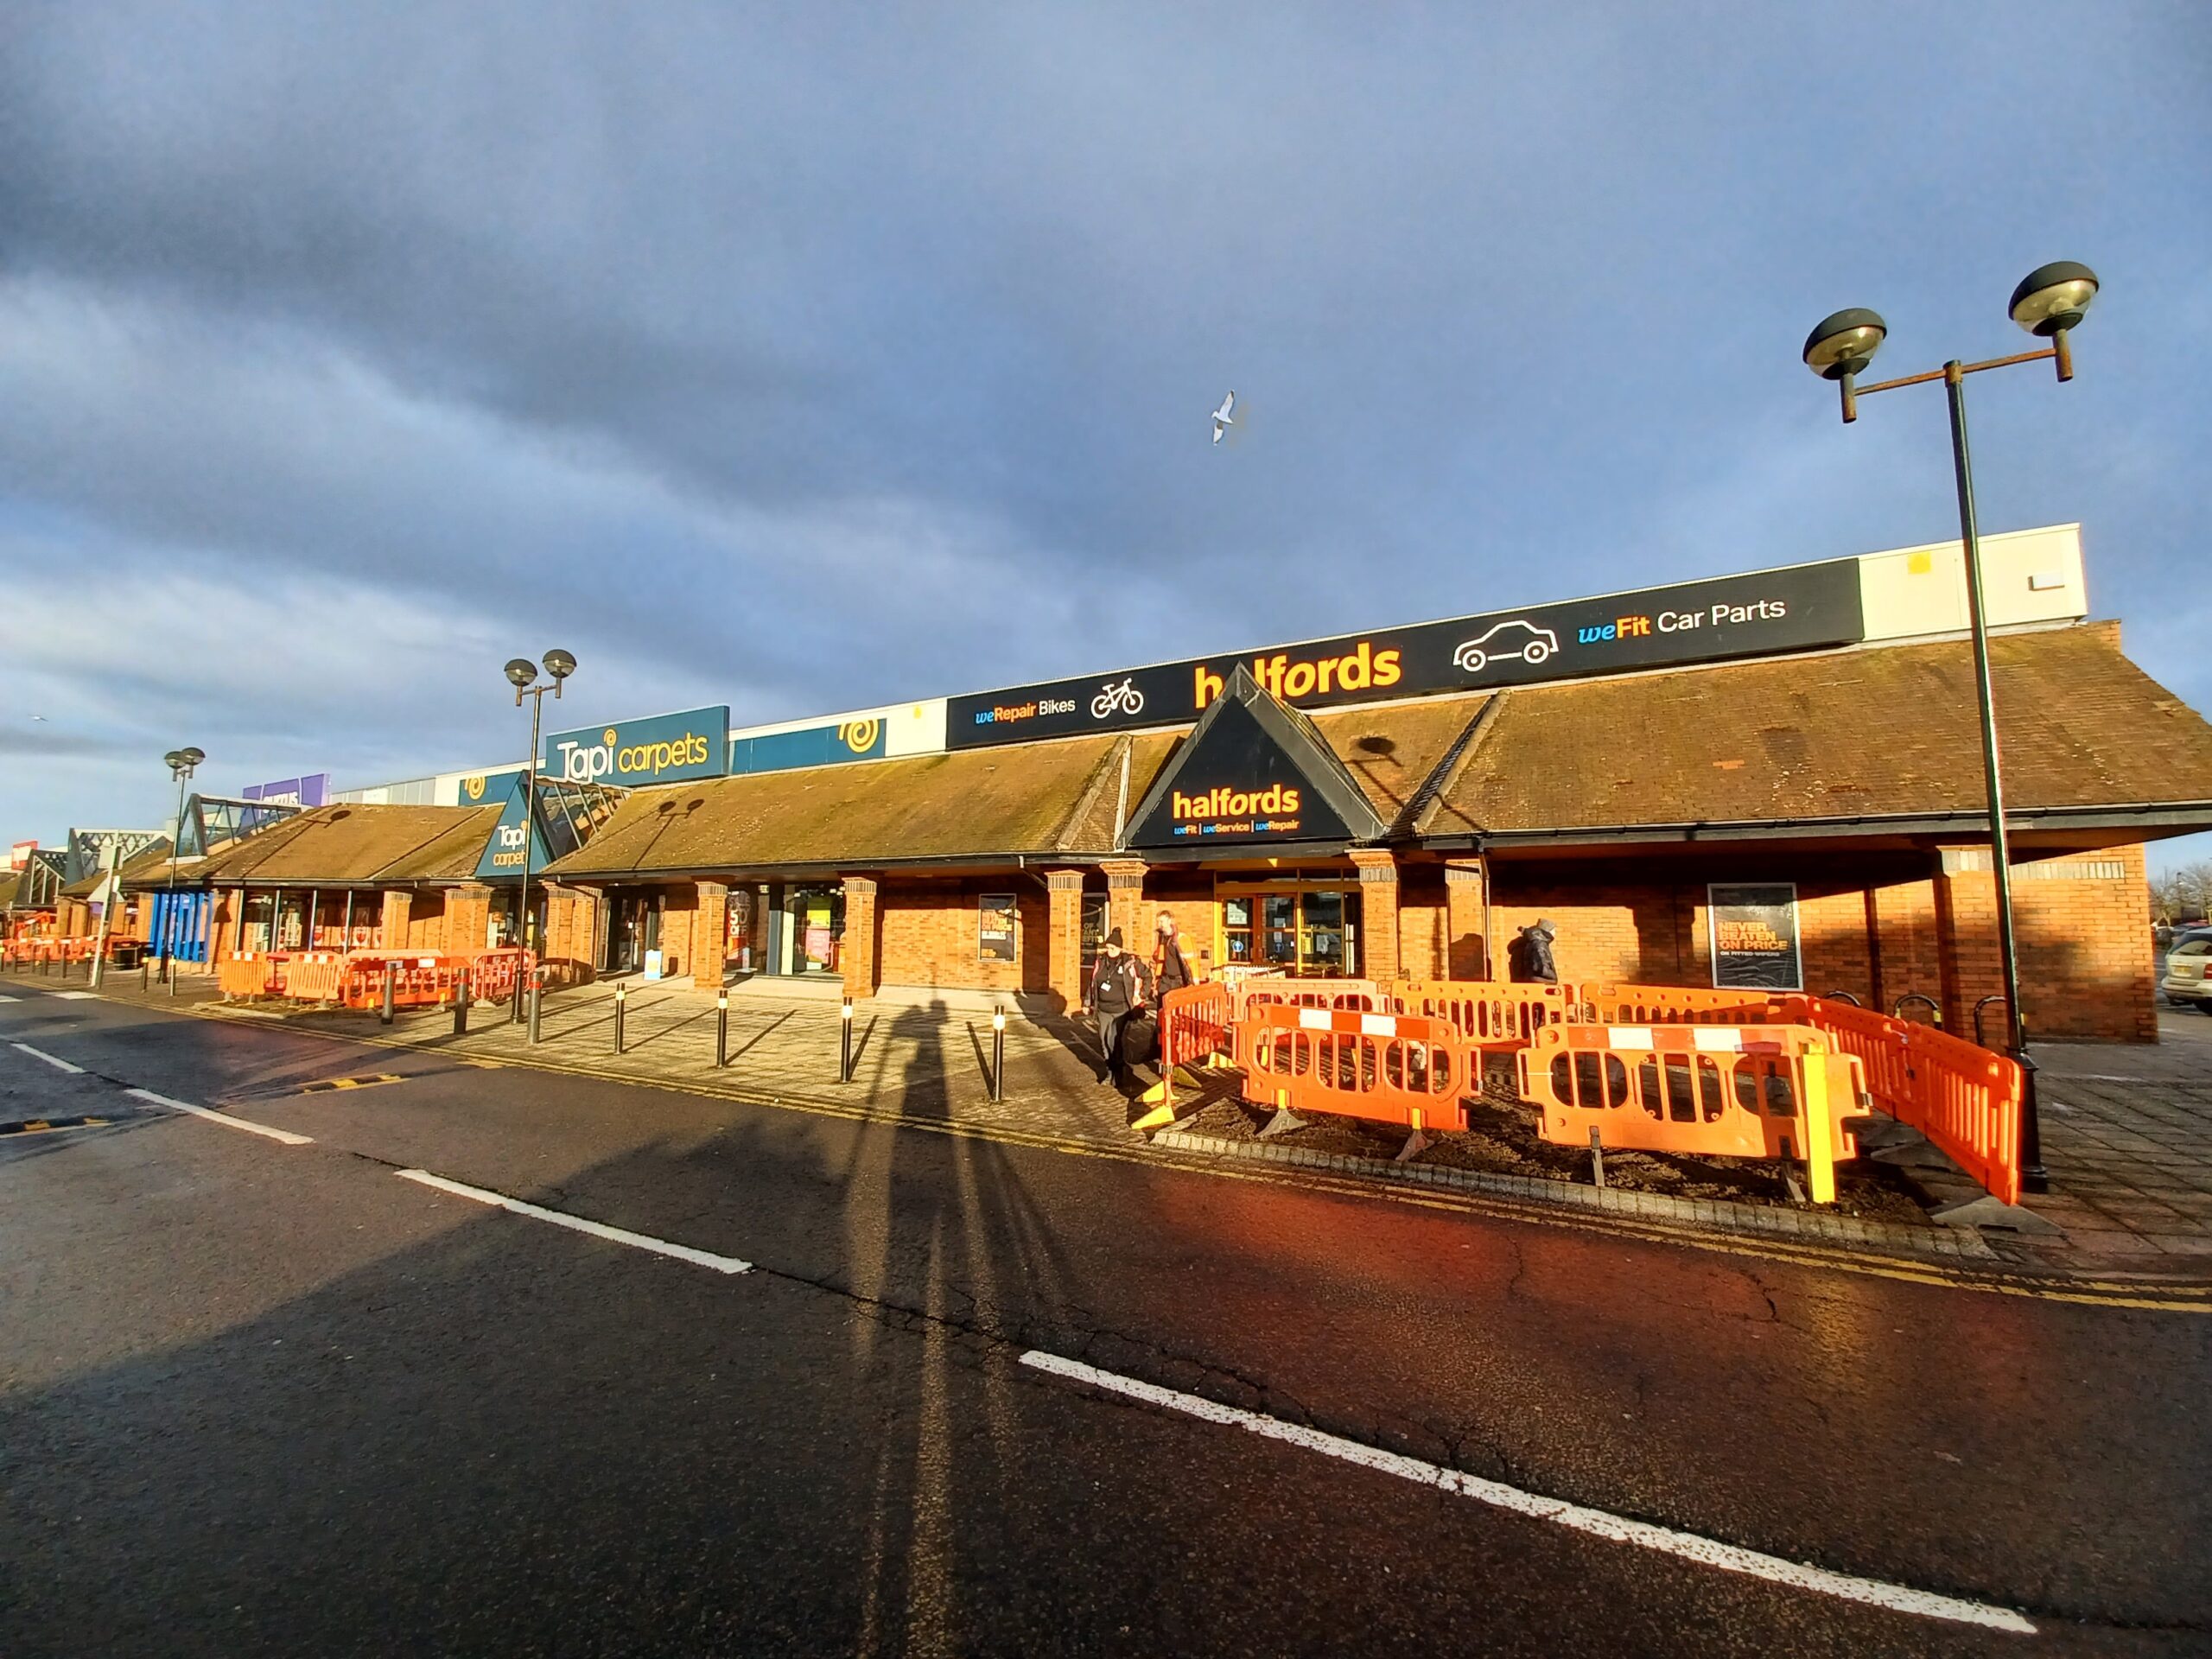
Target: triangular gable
{"points": [[502, 855], [1252, 773]]}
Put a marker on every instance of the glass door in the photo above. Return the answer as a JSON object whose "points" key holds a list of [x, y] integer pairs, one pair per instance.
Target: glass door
{"points": [[1309, 931]]}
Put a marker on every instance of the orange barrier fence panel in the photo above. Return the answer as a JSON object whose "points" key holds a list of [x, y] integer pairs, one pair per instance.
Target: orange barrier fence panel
{"points": [[1361, 995], [1674, 1005], [1741, 1091], [1194, 1022], [493, 975], [1493, 1013], [247, 973], [1388, 1067], [1964, 1098]]}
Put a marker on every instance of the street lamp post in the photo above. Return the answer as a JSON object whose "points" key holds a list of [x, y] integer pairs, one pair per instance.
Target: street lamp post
{"points": [[181, 763], [2049, 301], [521, 674]]}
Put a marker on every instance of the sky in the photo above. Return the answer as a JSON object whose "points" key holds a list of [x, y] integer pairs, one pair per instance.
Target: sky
{"points": [[805, 358]]}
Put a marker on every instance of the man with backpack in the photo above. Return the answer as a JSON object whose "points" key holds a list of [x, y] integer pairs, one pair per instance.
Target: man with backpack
{"points": [[1121, 985]]}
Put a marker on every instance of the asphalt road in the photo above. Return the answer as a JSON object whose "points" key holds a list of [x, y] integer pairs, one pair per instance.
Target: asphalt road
{"points": [[261, 1397]]}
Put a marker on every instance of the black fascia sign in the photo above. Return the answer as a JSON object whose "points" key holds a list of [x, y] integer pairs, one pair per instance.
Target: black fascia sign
{"points": [[1238, 785], [1766, 613]]}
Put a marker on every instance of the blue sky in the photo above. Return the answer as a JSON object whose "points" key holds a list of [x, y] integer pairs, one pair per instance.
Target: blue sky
{"points": [[805, 358]]}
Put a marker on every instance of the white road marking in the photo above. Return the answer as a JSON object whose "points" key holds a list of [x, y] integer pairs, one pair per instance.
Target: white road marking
{"points": [[596, 1229], [53, 1060], [224, 1118], [1689, 1545], [4, 997], [74, 997]]}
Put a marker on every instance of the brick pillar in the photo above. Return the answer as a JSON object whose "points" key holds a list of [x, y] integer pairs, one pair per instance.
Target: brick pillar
{"points": [[396, 907], [1125, 905], [710, 934], [571, 933], [1065, 950], [229, 931], [1966, 932], [468, 917], [861, 955], [1378, 912], [1466, 923]]}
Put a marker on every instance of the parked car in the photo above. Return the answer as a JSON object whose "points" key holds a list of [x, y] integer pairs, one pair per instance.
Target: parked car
{"points": [[2188, 963]]}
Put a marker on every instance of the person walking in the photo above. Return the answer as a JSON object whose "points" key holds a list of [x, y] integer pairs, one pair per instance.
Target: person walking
{"points": [[1117, 990], [1169, 970], [1530, 954]]}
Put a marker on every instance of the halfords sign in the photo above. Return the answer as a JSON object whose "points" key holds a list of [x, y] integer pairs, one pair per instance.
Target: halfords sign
{"points": [[665, 749], [1763, 615], [311, 791]]}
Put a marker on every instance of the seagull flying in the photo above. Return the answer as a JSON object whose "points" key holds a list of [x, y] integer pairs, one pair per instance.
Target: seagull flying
{"points": [[1221, 420]]}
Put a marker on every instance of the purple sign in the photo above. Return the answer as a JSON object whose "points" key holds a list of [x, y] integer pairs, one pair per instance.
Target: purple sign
{"points": [[311, 791]]}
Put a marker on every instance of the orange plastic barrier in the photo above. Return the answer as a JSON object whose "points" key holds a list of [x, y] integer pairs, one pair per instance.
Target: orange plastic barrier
{"points": [[1392, 1068], [1363, 995], [1724, 1092], [249, 973], [1493, 1013], [316, 976], [419, 981], [1965, 1099], [1195, 1023], [1674, 1005], [493, 975]]}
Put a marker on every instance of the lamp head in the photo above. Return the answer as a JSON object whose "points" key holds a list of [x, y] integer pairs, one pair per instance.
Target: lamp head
{"points": [[1844, 343], [560, 664], [193, 757], [521, 672], [2053, 298], [174, 759]]}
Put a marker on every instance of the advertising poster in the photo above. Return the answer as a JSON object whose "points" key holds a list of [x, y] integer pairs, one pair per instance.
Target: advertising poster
{"points": [[1755, 938], [994, 927]]}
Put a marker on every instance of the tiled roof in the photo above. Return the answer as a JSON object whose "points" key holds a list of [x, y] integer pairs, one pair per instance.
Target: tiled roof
{"points": [[1891, 731], [10, 880], [356, 844], [1031, 798]]}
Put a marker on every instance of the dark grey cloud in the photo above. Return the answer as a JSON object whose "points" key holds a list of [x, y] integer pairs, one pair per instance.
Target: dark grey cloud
{"points": [[838, 355]]}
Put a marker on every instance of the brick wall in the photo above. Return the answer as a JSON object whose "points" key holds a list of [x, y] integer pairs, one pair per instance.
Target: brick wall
{"points": [[930, 929]]}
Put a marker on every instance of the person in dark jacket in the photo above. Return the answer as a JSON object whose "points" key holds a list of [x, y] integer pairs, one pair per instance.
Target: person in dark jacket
{"points": [[1118, 988], [1531, 954], [1169, 970]]}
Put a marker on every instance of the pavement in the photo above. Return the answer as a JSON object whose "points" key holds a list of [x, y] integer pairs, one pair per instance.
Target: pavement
{"points": [[2128, 1129], [264, 1388]]}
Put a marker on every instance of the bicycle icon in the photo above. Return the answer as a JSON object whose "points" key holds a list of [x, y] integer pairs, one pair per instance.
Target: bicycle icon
{"points": [[1124, 698]]}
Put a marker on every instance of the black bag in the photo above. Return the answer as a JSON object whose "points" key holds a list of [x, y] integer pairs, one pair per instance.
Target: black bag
{"points": [[1140, 1038]]}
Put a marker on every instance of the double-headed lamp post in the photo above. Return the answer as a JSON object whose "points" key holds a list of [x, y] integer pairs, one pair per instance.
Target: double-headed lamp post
{"points": [[181, 763], [2049, 301], [522, 674]]}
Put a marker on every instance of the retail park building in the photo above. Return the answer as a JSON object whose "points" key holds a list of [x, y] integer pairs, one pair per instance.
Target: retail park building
{"points": [[1772, 779]]}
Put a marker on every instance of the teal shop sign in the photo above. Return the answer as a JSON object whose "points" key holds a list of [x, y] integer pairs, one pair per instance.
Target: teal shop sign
{"points": [[815, 746], [502, 855], [664, 749]]}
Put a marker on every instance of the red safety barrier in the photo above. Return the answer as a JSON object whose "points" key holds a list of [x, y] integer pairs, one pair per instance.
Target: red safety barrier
{"points": [[493, 975], [1195, 1023], [1722, 1091], [1965, 1099], [1391, 1068], [1492, 1013], [419, 979]]}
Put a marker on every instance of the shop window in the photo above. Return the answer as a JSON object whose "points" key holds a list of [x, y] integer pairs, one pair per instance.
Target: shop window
{"points": [[1237, 929]]}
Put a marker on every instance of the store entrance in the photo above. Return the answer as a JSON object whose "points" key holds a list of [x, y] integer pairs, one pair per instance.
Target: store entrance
{"points": [[1305, 929], [633, 929]]}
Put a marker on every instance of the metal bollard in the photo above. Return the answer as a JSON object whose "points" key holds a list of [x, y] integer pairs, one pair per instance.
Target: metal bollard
{"points": [[169, 972], [845, 1041], [535, 990], [145, 975], [621, 997], [390, 991], [461, 1005], [721, 1029], [998, 1054]]}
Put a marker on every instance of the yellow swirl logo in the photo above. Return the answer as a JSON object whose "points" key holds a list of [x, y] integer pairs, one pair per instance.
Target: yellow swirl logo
{"points": [[475, 788], [859, 735], [607, 737]]}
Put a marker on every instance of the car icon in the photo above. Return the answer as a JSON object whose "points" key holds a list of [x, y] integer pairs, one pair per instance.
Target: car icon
{"points": [[1504, 642]]}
